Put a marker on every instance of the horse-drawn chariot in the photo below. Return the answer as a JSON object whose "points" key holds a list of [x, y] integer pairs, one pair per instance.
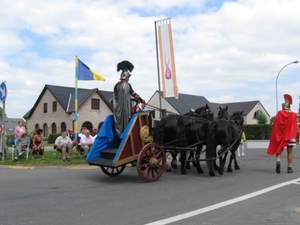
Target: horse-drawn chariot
{"points": [[113, 153], [182, 134]]}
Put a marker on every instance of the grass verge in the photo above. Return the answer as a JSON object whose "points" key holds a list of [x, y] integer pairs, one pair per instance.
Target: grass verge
{"points": [[50, 160]]}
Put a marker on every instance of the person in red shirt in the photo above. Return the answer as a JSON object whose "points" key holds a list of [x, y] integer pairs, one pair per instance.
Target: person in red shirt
{"points": [[284, 133]]}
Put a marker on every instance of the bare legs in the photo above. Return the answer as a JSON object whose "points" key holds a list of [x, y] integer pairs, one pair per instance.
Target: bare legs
{"points": [[289, 160]]}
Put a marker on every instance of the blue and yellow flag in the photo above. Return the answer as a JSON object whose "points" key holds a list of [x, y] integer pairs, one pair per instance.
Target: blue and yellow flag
{"points": [[85, 73]]}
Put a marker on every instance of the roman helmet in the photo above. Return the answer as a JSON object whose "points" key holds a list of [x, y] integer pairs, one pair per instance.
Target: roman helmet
{"points": [[288, 100], [126, 67]]}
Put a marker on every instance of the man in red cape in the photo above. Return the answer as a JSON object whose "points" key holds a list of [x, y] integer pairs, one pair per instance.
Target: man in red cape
{"points": [[284, 133]]}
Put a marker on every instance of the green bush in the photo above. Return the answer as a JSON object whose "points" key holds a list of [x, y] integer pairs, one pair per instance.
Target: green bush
{"points": [[52, 137], [9, 138], [258, 131], [261, 118]]}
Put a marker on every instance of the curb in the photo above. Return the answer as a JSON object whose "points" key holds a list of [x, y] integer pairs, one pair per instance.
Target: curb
{"points": [[20, 167], [50, 167]]}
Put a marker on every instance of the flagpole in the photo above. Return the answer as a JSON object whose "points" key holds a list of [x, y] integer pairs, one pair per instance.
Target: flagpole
{"points": [[76, 98], [158, 73]]}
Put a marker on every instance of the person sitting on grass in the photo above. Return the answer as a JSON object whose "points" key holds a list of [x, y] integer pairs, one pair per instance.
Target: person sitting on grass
{"points": [[21, 144], [64, 144], [86, 141], [38, 144]]}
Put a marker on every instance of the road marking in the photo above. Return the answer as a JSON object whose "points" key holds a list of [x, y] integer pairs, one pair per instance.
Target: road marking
{"points": [[20, 167], [221, 204]]}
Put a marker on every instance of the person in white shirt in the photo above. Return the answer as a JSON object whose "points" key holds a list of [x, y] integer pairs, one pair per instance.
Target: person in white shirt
{"points": [[64, 144], [86, 141]]}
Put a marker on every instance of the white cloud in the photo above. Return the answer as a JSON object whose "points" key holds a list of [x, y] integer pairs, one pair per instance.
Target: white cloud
{"points": [[232, 53]]}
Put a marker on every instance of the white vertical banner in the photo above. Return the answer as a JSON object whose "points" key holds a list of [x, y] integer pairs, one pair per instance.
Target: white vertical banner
{"points": [[166, 58]]}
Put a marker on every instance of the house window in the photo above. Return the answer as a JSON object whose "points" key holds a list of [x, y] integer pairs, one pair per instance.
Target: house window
{"points": [[36, 127], [95, 103], [63, 127], [45, 128], [163, 113], [54, 106], [45, 107], [53, 128], [88, 125], [256, 114]]}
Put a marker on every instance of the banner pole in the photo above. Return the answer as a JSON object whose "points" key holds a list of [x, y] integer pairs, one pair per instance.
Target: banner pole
{"points": [[76, 99], [158, 73]]}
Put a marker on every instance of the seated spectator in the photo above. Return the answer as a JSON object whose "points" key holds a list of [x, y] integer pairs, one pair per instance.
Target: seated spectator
{"points": [[94, 132], [86, 141], [72, 137], [21, 144], [18, 129], [64, 144], [82, 129], [79, 149], [38, 144]]}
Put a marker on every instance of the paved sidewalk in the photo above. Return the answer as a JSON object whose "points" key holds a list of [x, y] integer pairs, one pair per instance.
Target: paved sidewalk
{"points": [[257, 144]]}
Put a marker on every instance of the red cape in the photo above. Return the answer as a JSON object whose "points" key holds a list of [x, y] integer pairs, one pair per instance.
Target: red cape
{"points": [[285, 127]]}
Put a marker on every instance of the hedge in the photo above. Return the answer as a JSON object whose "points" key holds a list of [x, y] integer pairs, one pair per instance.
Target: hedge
{"points": [[258, 131], [52, 137]]}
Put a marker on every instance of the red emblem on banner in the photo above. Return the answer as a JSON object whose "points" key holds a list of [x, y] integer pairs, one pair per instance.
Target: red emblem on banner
{"points": [[168, 73]]}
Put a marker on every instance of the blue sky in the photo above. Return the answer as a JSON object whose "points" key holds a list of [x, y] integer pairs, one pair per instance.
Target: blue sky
{"points": [[226, 51]]}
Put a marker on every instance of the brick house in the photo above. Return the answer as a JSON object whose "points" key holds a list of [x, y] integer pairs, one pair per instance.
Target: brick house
{"points": [[54, 109]]}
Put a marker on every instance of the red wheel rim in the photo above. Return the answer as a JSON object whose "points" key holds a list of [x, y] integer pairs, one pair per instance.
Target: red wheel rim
{"points": [[151, 162]]}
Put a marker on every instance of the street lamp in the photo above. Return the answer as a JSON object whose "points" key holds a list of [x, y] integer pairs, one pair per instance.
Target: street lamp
{"points": [[276, 82]]}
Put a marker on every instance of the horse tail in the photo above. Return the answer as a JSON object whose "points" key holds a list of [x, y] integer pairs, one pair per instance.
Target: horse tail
{"points": [[159, 130]]}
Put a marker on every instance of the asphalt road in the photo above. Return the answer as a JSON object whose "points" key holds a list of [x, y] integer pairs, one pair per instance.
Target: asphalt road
{"points": [[84, 195]]}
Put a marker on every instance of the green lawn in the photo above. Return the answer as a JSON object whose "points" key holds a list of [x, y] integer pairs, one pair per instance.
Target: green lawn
{"points": [[50, 160]]}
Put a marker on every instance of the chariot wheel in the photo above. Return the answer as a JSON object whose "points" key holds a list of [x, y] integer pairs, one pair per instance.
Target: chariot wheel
{"points": [[112, 171], [151, 162]]}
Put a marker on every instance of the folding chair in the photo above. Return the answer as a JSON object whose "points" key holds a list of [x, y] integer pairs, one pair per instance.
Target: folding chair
{"points": [[58, 153], [80, 152], [21, 154]]}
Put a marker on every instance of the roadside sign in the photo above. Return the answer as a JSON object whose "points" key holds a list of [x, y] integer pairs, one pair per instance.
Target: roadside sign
{"points": [[1, 129], [3, 91]]}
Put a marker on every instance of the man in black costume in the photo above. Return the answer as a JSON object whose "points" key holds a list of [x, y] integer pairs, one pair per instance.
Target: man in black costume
{"points": [[122, 96]]}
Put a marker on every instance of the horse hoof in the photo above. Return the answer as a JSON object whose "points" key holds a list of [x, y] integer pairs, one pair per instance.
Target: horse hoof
{"points": [[174, 166], [188, 166], [194, 164], [183, 172], [220, 172], [168, 169], [229, 170], [200, 171], [237, 167], [212, 174]]}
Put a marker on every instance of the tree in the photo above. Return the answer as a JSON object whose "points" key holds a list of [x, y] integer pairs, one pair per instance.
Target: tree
{"points": [[1, 113], [272, 120], [261, 118]]}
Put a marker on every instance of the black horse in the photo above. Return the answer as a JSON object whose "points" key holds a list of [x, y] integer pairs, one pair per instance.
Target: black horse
{"points": [[202, 112], [226, 132], [238, 120], [184, 131]]}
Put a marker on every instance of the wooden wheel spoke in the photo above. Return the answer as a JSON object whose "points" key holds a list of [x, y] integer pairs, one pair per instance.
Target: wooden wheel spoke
{"points": [[151, 162], [112, 171]]}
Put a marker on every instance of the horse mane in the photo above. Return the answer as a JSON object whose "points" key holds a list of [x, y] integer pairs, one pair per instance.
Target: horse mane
{"points": [[204, 112], [238, 118], [223, 113]]}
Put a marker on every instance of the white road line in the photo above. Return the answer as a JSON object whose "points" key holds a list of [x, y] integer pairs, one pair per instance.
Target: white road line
{"points": [[221, 204]]}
